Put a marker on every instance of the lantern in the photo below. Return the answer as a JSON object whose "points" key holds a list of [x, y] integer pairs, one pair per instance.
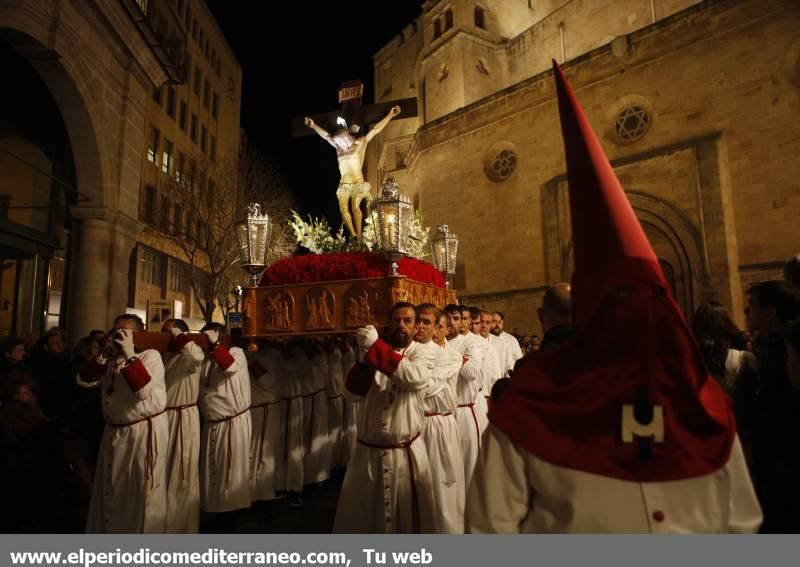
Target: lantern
{"points": [[394, 214], [444, 247], [253, 235]]}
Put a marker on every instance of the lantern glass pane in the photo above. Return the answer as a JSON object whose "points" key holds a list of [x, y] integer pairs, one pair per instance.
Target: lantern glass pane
{"points": [[452, 251], [244, 243]]}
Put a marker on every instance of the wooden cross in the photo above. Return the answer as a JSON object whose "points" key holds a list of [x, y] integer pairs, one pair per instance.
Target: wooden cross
{"points": [[353, 112]]}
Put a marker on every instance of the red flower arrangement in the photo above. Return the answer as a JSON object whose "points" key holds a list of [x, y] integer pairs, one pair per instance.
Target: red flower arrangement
{"points": [[347, 266]]}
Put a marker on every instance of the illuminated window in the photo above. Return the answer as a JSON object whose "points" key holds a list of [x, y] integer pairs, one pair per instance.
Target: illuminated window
{"points": [[166, 156], [152, 145]]}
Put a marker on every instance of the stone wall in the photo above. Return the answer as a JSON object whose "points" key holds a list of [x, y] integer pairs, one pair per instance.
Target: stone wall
{"points": [[714, 174]]}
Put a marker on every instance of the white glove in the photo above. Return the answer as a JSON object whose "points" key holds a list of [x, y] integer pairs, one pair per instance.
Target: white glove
{"points": [[124, 340], [366, 337], [213, 337], [175, 331]]}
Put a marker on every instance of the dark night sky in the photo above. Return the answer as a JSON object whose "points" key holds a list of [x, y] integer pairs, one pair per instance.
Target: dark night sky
{"points": [[293, 61]]}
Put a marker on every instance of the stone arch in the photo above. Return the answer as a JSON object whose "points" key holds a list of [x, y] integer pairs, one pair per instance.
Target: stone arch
{"points": [[676, 241], [70, 85]]}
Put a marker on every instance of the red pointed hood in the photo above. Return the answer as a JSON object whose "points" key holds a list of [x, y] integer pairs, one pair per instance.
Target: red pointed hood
{"points": [[633, 350]]}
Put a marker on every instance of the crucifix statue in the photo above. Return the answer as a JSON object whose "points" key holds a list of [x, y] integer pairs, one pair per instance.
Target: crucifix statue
{"points": [[346, 126]]}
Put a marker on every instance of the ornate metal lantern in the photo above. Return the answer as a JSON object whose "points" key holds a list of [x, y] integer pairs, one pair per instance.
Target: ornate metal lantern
{"points": [[444, 247], [253, 235], [394, 214]]}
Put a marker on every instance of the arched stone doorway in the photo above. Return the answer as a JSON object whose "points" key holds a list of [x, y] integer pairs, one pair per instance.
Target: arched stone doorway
{"points": [[675, 242], [37, 187], [60, 69]]}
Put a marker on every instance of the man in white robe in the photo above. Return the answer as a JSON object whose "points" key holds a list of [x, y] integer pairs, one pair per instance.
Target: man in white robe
{"points": [[441, 427], [129, 493], [387, 487], [182, 365], [493, 369], [225, 447], [489, 364], [510, 351], [333, 390], [350, 410], [292, 448], [467, 387], [314, 377], [265, 414], [620, 429]]}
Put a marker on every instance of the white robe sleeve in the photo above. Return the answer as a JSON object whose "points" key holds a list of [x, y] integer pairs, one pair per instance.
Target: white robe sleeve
{"points": [[744, 514], [516, 351], [193, 356], [471, 370], [499, 497], [415, 371]]}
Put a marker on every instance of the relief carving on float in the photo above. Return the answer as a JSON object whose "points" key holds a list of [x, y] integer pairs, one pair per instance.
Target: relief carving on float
{"points": [[361, 306], [280, 311], [318, 310], [399, 294]]}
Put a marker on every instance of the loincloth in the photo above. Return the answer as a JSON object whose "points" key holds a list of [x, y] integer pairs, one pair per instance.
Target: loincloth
{"points": [[358, 190]]}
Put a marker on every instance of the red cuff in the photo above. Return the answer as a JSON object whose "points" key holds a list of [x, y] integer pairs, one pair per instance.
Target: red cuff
{"points": [[180, 341], [383, 358], [256, 370], [359, 379], [92, 371], [136, 375], [222, 357]]}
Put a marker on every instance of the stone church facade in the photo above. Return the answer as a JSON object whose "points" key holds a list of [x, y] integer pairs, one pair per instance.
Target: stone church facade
{"points": [[696, 104]]}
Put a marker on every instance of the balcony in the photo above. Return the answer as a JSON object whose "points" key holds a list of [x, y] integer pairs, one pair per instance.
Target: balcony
{"points": [[162, 29]]}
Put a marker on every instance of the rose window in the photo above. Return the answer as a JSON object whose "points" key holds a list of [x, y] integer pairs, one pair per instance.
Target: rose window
{"points": [[632, 123]]}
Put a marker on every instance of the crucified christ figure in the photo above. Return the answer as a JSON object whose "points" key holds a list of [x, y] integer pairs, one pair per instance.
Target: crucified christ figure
{"points": [[350, 152]]}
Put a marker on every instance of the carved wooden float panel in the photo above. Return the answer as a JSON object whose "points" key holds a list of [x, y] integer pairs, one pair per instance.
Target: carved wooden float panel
{"points": [[326, 308]]}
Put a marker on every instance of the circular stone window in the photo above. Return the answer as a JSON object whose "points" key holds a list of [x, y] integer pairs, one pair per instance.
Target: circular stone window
{"points": [[628, 119], [500, 161], [632, 123]]}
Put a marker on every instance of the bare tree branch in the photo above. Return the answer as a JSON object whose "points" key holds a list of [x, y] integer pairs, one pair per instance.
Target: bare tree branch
{"points": [[206, 203]]}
